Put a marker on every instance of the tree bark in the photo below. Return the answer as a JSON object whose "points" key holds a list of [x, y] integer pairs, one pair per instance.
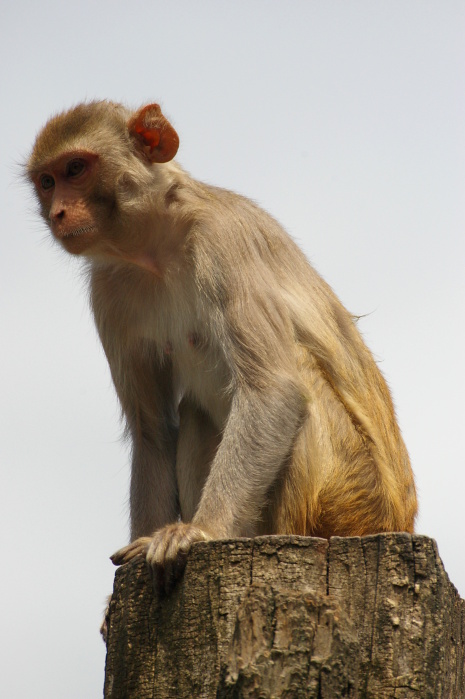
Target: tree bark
{"points": [[290, 617]]}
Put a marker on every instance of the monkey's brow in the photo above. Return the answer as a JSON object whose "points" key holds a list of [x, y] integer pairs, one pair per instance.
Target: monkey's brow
{"points": [[38, 165], [33, 173]]}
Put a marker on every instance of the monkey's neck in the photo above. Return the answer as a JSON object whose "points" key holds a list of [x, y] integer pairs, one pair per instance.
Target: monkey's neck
{"points": [[151, 256], [159, 238], [144, 261]]}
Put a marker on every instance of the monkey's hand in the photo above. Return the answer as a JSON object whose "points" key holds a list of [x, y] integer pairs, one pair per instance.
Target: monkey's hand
{"points": [[165, 552]]}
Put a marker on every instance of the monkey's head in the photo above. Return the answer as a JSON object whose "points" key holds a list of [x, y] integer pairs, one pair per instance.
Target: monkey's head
{"points": [[88, 163]]}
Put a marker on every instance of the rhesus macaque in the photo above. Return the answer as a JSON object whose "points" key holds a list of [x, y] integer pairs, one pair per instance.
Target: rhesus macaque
{"points": [[251, 401]]}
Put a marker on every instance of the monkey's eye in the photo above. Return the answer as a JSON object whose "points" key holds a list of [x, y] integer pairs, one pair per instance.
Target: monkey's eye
{"points": [[47, 182], [75, 168]]}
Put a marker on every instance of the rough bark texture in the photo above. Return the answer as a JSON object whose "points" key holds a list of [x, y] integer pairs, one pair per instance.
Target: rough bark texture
{"points": [[291, 617]]}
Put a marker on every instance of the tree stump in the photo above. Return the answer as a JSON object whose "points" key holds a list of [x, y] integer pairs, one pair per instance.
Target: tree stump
{"points": [[291, 617]]}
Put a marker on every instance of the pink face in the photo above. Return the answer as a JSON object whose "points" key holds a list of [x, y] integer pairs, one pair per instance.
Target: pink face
{"points": [[64, 186]]}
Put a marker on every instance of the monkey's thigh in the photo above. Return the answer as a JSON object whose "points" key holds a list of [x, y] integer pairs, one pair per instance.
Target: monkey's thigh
{"points": [[330, 484], [197, 444]]}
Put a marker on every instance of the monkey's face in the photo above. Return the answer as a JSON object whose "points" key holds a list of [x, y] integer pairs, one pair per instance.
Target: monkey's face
{"points": [[66, 188], [94, 175]]}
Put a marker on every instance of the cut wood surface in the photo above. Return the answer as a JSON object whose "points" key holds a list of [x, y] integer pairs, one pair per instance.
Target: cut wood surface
{"points": [[291, 617]]}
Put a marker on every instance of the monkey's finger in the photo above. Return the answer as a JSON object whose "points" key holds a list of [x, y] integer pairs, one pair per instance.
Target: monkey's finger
{"points": [[176, 557], [156, 551], [128, 553], [173, 571], [178, 565], [158, 579], [121, 557]]}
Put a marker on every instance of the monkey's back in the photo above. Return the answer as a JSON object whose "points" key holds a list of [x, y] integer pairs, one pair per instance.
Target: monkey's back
{"points": [[349, 458]]}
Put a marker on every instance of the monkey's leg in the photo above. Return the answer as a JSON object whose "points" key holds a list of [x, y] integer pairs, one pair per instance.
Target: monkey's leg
{"points": [[153, 493], [198, 441], [332, 484], [105, 620]]}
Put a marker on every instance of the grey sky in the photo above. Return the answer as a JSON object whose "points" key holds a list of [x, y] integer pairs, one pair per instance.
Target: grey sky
{"points": [[346, 121]]}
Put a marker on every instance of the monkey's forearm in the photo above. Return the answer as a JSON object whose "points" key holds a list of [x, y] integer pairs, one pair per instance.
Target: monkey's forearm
{"points": [[258, 437], [153, 495], [257, 440]]}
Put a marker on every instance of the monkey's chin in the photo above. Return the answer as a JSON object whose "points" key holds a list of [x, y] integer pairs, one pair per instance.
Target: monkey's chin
{"points": [[78, 240]]}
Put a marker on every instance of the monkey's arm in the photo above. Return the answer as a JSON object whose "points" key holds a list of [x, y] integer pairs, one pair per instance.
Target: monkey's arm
{"points": [[257, 439], [146, 396], [144, 384], [267, 407]]}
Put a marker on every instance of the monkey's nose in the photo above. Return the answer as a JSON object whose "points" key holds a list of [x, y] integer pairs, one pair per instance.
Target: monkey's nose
{"points": [[57, 215]]}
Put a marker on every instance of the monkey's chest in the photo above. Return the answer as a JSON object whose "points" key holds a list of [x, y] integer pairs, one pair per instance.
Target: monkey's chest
{"points": [[200, 372], [178, 324], [182, 340]]}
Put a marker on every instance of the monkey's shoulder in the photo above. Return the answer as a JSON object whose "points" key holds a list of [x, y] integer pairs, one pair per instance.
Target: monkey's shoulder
{"points": [[232, 241]]}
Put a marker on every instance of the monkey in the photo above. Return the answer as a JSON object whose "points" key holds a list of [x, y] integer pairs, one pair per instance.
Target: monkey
{"points": [[252, 404]]}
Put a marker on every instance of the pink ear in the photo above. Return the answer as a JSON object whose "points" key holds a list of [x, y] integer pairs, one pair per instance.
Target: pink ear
{"points": [[155, 133]]}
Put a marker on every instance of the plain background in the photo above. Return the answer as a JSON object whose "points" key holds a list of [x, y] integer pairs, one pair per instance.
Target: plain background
{"points": [[346, 121]]}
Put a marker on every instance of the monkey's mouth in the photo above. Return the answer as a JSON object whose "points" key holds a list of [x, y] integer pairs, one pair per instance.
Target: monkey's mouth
{"points": [[78, 231]]}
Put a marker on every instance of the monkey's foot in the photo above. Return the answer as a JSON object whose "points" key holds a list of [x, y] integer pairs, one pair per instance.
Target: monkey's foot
{"points": [[104, 624], [165, 552]]}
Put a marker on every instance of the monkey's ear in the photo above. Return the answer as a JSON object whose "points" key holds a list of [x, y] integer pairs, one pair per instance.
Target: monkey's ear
{"points": [[154, 133]]}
